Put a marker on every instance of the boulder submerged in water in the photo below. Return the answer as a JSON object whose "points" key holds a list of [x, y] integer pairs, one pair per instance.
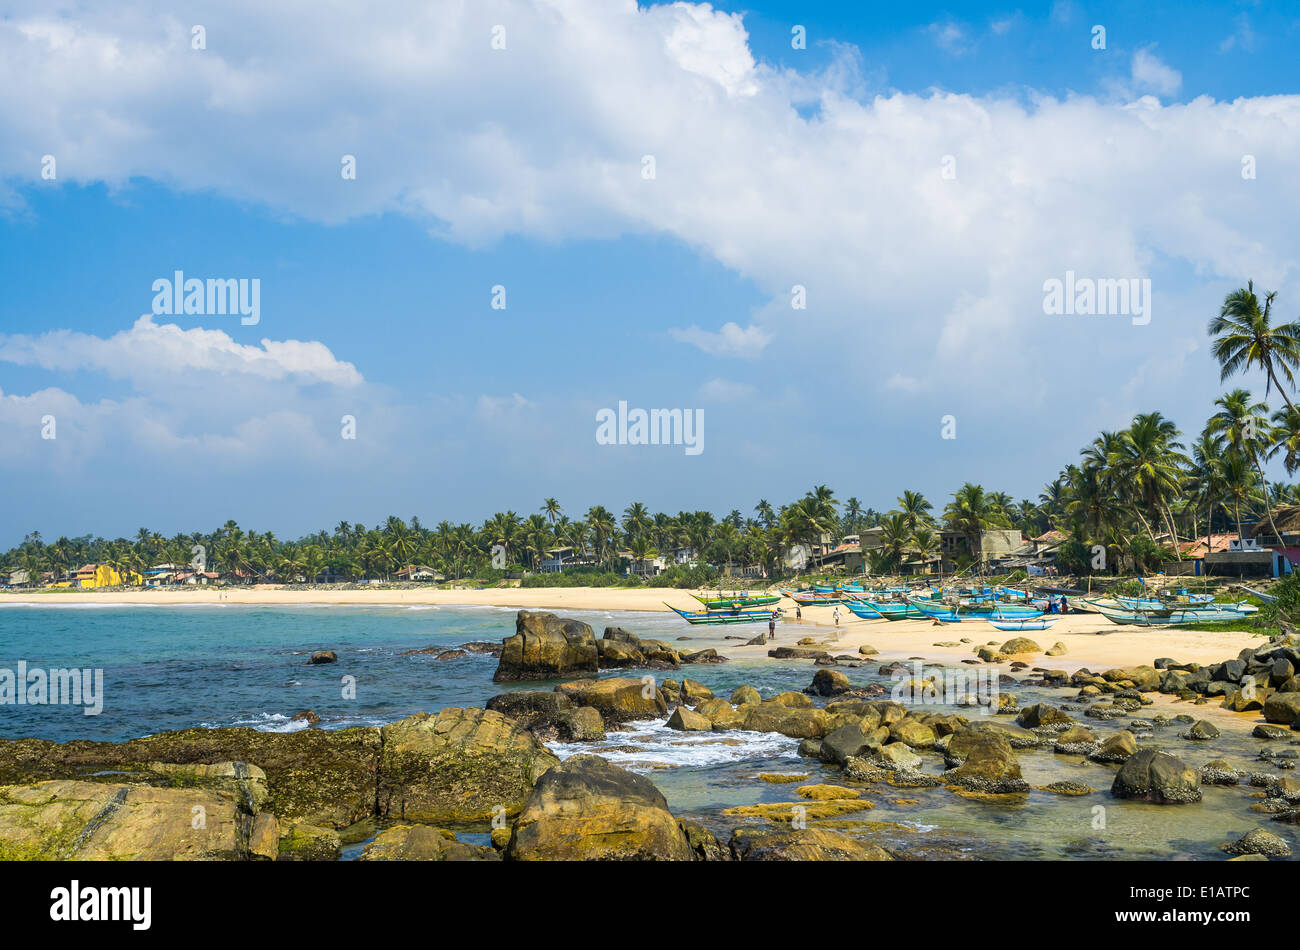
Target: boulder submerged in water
{"points": [[547, 647], [422, 843], [323, 656], [809, 844], [1154, 776]]}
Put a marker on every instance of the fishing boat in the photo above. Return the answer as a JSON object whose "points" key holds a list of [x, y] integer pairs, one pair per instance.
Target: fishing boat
{"points": [[1040, 623], [737, 601], [889, 610], [815, 599], [1151, 603], [1168, 615], [722, 616], [983, 611]]}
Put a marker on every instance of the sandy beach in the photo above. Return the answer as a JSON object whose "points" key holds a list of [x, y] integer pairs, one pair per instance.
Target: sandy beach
{"points": [[1090, 640]]}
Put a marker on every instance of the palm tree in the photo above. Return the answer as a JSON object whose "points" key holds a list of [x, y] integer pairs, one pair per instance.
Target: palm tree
{"points": [[1244, 426], [765, 514], [895, 536], [1149, 463], [1286, 436], [1245, 337], [551, 508], [915, 509]]}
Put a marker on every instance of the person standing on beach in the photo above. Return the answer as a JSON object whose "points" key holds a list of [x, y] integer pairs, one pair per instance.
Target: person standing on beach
{"points": [[798, 612], [771, 626], [837, 615]]}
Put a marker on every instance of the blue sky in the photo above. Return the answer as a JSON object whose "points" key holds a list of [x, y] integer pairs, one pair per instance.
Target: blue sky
{"points": [[522, 167]]}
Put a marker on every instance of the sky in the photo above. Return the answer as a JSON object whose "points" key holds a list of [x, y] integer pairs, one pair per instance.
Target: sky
{"points": [[824, 231]]}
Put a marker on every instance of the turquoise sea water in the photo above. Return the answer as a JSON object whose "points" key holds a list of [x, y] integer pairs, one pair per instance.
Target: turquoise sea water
{"points": [[179, 667]]}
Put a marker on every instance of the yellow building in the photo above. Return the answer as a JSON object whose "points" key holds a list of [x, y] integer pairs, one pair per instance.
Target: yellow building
{"points": [[91, 576]]}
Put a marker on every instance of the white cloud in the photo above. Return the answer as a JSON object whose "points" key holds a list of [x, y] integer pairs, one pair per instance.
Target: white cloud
{"points": [[949, 36], [732, 340], [149, 353], [1150, 73]]}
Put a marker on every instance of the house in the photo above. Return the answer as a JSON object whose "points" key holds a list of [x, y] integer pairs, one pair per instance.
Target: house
{"points": [[418, 572], [1287, 519], [644, 567], [847, 554], [91, 576], [558, 559], [19, 578], [993, 545]]}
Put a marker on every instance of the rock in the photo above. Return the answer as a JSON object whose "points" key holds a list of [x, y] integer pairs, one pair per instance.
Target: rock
{"points": [[617, 653], [531, 708], [1219, 772], [823, 793], [460, 765], [303, 842], [1239, 700], [451, 655], [323, 656], [810, 844], [704, 843], [990, 655], [1259, 841], [1281, 671], [828, 683], [308, 716], [1154, 776], [422, 843], [990, 767], [791, 699], [913, 734], [866, 650], [321, 776], [704, 656], [1202, 732], [796, 653], [1020, 645], [847, 740], [579, 725], [546, 647], [1057, 649], [689, 721], [693, 692], [796, 723], [100, 821], [744, 695], [1117, 748], [1043, 715], [1282, 707], [1144, 678], [1068, 788], [1076, 740], [758, 641], [896, 755], [1269, 732], [587, 809], [618, 699]]}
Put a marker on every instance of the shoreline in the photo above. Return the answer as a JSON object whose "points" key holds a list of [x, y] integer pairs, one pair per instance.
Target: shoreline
{"points": [[1090, 640]]}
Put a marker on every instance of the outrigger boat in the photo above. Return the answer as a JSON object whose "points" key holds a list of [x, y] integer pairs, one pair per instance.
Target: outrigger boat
{"points": [[737, 601], [1151, 603], [814, 599], [1168, 615], [1041, 623], [723, 616], [954, 613], [873, 610]]}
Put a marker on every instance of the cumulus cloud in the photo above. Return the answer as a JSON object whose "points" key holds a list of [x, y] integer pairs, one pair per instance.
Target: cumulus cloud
{"points": [[149, 351]]}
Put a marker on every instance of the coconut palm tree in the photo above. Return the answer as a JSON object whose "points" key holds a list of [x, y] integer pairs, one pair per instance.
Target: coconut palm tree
{"points": [[915, 509], [1244, 427], [551, 508], [1244, 337]]}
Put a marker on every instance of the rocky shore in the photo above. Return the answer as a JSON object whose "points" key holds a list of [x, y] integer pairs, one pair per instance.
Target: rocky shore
{"points": [[411, 788]]}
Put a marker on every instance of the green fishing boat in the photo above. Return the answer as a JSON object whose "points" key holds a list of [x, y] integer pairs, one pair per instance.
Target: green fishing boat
{"points": [[736, 601], [722, 616]]}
